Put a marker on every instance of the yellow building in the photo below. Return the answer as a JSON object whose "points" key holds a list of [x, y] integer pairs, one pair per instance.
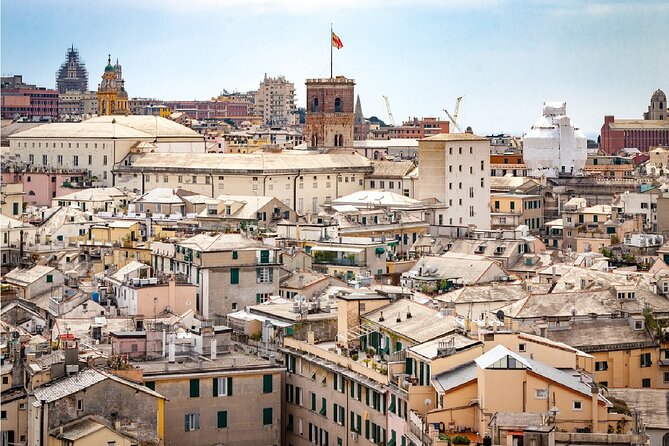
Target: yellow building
{"points": [[112, 97], [508, 211], [11, 200], [88, 431]]}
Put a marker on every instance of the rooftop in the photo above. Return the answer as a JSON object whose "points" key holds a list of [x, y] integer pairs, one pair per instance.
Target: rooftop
{"points": [[424, 324], [265, 162], [222, 242], [597, 333], [455, 137], [27, 276]]}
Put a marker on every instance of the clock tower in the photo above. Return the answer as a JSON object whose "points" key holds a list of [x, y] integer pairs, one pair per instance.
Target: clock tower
{"points": [[112, 97]]}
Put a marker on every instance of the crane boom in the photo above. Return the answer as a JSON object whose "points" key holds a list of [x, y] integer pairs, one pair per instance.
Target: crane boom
{"points": [[455, 124], [390, 114], [456, 109]]}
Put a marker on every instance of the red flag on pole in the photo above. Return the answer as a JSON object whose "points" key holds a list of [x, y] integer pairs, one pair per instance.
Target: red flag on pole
{"points": [[336, 41]]}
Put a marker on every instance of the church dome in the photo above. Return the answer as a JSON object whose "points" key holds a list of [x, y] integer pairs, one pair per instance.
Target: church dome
{"points": [[658, 95], [123, 94]]}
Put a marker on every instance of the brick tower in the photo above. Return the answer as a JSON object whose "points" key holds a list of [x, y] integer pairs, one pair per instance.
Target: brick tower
{"points": [[330, 116]]}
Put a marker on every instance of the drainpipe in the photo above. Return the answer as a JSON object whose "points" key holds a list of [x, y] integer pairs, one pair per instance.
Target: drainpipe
{"points": [[299, 172], [42, 440], [211, 177]]}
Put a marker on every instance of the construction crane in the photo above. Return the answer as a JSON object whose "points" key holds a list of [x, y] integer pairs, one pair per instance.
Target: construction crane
{"points": [[390, 114], [454, 117]]}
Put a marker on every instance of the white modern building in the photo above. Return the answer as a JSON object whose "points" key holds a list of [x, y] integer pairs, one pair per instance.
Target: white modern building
{"points": [[553, 145]]}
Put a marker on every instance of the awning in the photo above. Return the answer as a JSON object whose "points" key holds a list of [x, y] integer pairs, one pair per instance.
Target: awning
{"points": [[336, 249], [380, 250]]}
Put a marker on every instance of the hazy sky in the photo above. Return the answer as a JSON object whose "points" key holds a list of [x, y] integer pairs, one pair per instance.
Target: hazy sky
{"points": [[506, 57]]}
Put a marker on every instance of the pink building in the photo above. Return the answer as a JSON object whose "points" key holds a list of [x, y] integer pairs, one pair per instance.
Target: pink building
{"points": [[41, 185]]}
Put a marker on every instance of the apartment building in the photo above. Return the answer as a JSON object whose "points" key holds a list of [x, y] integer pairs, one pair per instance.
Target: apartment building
{"points": [[230, 270], [508, 211], [302, 180], [230, 398], [275, 101], [400, 177], [455, 169]]}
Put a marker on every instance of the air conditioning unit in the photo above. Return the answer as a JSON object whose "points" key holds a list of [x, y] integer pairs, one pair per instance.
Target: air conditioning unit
{"points": [[354, 436]]}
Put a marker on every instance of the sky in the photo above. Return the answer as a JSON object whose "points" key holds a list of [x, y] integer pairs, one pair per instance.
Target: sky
{"points": [[505, 57]]}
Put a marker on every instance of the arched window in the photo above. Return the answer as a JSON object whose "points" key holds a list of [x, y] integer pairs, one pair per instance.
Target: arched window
{"points": [[337, 105], [661, 105], [665, 440], [314, 140], [314, 105]]}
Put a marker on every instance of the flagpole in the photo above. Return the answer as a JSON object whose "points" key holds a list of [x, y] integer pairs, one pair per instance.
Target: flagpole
{"points": [[330, 50]]}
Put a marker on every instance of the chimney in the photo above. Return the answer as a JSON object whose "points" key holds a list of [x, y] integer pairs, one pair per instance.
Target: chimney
{"points": [[399, 319], [381, 318], [553, 274], [311, 338], [213, 348], [408, 312], [171, 353]]}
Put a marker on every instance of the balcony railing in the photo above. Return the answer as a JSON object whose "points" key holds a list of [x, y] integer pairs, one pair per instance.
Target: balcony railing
{"points": [[338, 262]]}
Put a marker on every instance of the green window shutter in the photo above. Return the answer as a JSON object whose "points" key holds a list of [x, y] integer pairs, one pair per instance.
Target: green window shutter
{"points": [[222, 420], [342, 415], [420, 377], [49, 278], [187, 423], [427, 374], [258, 297], [150, 385], [324, 407], [392, 403], [359, 395], [267, 384], [194, 388], [352, 423], [235, 255], [408, 366], [234, 276], [264, 256], [230, 386], [267, 416], [367, 429], [367, 396], [214, 386], [313, 401]]}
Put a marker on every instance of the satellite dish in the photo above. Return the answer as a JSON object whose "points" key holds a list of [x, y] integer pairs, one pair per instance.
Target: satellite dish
{"points": [[500, 315]]}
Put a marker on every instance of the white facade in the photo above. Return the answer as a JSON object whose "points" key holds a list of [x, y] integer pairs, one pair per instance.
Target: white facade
{"points": [[635, 203], [454, 169], [99, 143], [553, 145]]}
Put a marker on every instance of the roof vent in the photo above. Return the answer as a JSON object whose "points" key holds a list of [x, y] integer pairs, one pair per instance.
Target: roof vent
{"points": [[399, 319], [408, 312], [381, 318]]}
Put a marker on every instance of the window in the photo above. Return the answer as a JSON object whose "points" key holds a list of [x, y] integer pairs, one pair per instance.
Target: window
{"points": [[192, 422], [49, 278], [522, 347], [194, 179], [45, 159], [577, 405], [235, 255], [601, 366], [222, 386], [666, 377], [264, 275], [267, 384], [541, 394], [234, 276], [90, 159], [222, 419], [337, 105], [195, 388], [267, 416], [645, 382], [3, 415], [645, 360], [314, 105], [75, 160], [80, 405]]}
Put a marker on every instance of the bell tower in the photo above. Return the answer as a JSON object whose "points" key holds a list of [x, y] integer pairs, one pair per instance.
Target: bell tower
{"points": [[330, 113]]}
